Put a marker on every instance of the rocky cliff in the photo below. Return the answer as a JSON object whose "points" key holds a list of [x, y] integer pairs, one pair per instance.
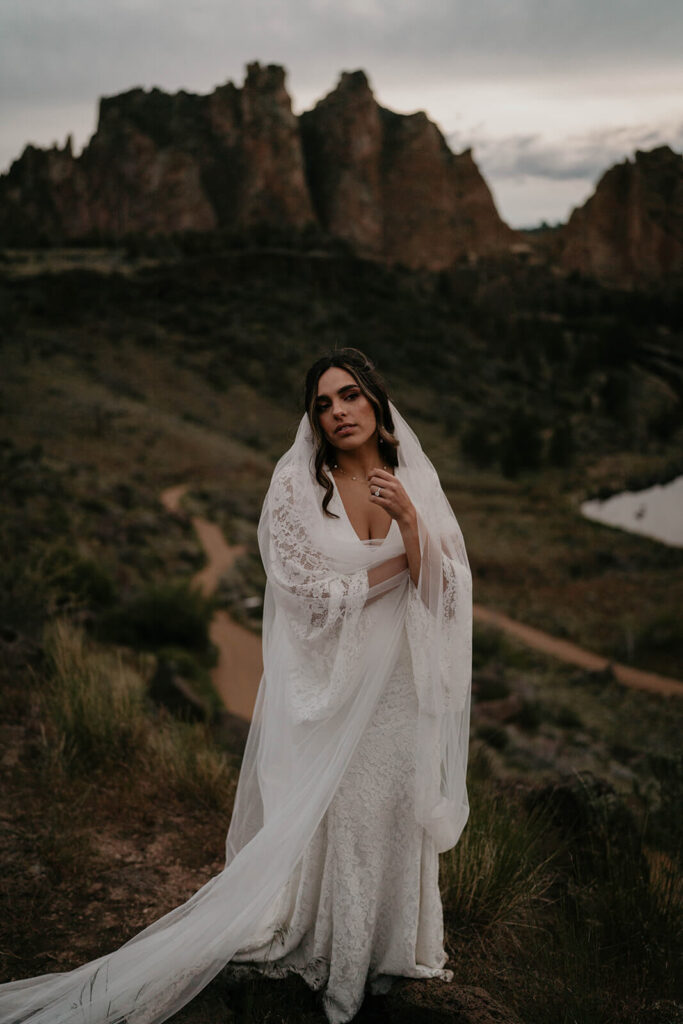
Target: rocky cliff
{"points": [[631, 228], [386, 183], [389, 184], [162, 163]]}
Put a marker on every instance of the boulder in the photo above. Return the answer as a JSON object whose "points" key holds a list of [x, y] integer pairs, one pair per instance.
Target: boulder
{"points": [[435, 1002]]}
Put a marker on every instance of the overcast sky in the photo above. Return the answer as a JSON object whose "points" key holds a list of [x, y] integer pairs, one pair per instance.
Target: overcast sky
{"points": [[549, 93]]}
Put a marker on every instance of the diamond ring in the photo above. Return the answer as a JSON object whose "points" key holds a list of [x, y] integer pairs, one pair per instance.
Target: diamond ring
{"points": [[378, 492]]}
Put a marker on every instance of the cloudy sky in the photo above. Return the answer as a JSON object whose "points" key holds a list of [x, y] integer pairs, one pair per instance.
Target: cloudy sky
{"points": [[549, 93]]}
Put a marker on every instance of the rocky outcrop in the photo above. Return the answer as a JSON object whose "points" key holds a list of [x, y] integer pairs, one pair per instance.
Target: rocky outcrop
{"points": [[385, 183], [389, 184], [631, 228], [433, 1002], [161, 163]]}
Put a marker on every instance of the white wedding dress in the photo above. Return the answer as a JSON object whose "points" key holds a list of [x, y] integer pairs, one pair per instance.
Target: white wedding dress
{"points": [[363, 904], [352, 780]]}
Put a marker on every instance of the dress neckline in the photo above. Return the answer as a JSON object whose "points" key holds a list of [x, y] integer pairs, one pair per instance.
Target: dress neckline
{"points": [[361, 540]]}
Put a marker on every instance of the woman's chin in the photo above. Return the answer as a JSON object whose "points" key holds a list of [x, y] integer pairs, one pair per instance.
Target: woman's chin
{"points": [[349, 442]]}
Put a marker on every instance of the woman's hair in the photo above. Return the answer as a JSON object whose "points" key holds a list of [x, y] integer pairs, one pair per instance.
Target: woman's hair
{"points": [[371, 384]]}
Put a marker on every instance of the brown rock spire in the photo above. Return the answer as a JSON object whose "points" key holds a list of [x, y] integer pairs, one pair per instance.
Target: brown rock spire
{"points": [[631, 228], [389, 184]]}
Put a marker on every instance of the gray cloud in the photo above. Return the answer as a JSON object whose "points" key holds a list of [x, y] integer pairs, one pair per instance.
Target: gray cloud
{"points": [[57, 59], [65, 50], [582, 157]]}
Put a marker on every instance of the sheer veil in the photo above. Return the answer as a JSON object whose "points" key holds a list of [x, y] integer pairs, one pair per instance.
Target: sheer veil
{"points": [[330, 642]]}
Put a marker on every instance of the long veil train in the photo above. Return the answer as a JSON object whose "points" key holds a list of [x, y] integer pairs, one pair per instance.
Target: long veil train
{"points": [[324, 671]]}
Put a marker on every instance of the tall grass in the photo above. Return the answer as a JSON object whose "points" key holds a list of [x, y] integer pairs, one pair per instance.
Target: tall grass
{"points": [[588, 933], [191, 764], [498, 877], [94, 701], [97, 716]]}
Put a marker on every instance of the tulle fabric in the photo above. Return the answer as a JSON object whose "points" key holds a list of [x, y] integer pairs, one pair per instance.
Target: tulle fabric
{"points": [[325, 666]]}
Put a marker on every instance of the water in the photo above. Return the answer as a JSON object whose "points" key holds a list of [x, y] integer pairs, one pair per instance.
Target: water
{"points": [[656, 512]]}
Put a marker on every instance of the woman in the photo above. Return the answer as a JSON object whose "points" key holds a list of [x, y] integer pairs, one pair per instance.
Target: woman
{"points": [[353, 778]]}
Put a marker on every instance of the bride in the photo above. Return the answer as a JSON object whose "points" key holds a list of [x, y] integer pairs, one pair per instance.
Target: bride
{"points": [[353, 777]]}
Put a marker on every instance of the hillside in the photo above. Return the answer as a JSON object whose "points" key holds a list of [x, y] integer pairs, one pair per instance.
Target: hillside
{"points": [[534, 394], [128, 371]]}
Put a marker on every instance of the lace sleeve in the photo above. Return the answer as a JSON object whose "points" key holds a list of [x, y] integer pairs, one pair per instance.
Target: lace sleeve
{"points": [[322, 608], [320, 596]]}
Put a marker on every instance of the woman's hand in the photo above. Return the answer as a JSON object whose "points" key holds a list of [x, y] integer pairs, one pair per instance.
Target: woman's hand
{"points": [[393, 497]]}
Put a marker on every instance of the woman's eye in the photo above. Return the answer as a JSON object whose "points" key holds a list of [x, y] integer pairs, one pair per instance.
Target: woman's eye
{"points": [[354, 394]]}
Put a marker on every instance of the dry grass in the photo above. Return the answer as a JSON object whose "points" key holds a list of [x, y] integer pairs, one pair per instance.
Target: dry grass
{"points": [[498, 877], [96, 715], [93, 701]]}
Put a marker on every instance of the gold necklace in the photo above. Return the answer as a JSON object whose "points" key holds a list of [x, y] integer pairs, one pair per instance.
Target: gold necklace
{"points": [[364, 478]]}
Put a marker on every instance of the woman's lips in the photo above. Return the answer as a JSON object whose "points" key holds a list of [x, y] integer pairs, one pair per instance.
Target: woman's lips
{"points": [[346, 429]]}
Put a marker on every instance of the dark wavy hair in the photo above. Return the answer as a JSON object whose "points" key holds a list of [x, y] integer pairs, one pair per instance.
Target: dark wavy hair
{"points": [[371, 384]]}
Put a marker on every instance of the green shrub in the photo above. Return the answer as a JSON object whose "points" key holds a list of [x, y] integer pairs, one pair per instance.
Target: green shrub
{"points": [[494, 735], [96, 716], [661, 633], [170, 615], [196, 669], [568, 718], [490, 688], [529, 716], [488, 643], [79, 581]]}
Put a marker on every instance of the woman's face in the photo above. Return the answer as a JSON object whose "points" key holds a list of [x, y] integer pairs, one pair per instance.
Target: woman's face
{"points": [[345, 415]]}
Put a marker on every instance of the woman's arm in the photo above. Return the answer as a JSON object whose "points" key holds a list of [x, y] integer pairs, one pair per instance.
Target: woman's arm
{"points": [[385, 570]]}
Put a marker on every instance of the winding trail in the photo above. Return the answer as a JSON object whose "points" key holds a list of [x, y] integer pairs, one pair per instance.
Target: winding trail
{"points": [[240, 664], [636, 678], [238, 672]]}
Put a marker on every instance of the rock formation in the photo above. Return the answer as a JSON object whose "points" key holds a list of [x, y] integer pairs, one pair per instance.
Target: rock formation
{"points": [[386, 183], [160, 163], [631, 228], [389, 184]]}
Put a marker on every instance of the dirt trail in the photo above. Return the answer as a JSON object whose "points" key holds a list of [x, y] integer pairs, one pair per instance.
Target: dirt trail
{"points": [[240, 664], [567, 651], [237, 675]]}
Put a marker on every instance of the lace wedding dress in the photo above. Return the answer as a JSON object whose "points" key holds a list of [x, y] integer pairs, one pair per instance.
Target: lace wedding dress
{"points": [[364, 902], [352, 780]]}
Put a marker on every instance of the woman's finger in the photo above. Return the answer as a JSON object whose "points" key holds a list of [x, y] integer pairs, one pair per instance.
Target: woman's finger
{"points": [[382, 476], [388, 482]]}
